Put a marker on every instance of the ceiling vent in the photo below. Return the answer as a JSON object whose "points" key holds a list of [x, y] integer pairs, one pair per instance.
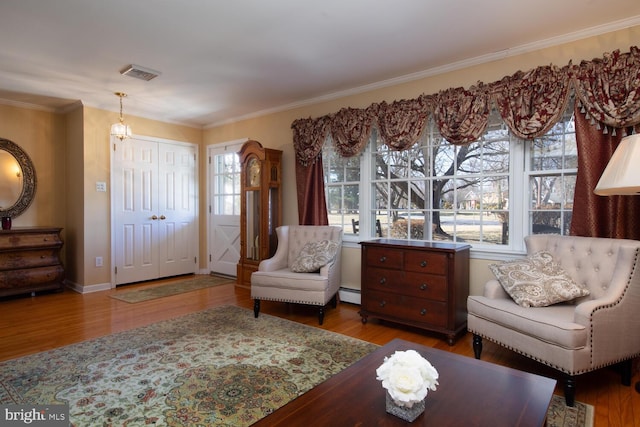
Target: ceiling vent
{"points": [[139, 72]]}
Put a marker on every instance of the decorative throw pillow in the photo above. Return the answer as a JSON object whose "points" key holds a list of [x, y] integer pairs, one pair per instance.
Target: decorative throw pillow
{"points": [[315, 255], [537, 281]]}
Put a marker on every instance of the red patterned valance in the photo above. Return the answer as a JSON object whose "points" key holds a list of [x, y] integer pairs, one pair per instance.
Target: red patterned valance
{"points": [[401, 123], [609, 88], [462, 114], [530, 104], [350, 129], [308, 138]]}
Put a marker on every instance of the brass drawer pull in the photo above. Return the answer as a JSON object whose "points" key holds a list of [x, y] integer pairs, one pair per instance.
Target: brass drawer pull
{"points": [[383, 280], [423, 311], [423, 263], [383, 303], [383, 258], [423, 286]]}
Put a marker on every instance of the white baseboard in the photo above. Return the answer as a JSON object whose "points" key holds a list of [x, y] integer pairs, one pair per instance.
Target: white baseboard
{"points": [[89, 288], [350, 295]]}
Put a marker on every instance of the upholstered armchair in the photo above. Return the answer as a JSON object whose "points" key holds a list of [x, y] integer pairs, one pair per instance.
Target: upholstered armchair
{"points": [[576, 336], [304, 270]]}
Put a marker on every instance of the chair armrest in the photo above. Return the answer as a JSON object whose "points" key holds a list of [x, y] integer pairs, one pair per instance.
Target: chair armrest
{"points": [[333, 272], [608, 318], [326, 269], [280, 259], [273, 264], [604, 307], [494, 290]]}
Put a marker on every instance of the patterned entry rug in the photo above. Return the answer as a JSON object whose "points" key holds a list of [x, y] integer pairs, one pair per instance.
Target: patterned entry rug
{"points": [[219, 367], [171, 288]]}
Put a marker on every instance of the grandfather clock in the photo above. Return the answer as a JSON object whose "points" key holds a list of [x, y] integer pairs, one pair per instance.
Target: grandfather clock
{"points": [[260, 206]]}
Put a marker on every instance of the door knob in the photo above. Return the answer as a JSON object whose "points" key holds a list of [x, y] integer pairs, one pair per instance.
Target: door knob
{"points": [[163, 217], [154, 217]]}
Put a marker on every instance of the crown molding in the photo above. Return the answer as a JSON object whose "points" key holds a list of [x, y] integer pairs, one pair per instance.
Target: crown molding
{"points": [[454, 66]]}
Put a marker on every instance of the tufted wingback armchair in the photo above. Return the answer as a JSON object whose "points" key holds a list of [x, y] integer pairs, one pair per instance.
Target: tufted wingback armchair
{"points": [[595, 331], [275, 281]]}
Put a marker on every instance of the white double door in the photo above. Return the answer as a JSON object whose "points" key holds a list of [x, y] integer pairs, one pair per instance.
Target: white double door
{"points": [[154, 202]]}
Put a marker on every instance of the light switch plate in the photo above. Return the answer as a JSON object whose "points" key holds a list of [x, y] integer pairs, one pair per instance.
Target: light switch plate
{"points": [[101, 186]]}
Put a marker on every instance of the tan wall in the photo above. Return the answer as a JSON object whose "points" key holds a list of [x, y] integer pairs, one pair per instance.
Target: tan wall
{"points": [[41, 134], [74, 193], [96, 161], [274, 130]]}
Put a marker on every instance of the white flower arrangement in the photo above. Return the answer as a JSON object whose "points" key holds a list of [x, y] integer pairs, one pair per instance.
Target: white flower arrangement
{"points": [[408, 377]]}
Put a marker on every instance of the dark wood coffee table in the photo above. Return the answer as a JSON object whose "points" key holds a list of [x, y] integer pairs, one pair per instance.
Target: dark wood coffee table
{"points": [[471, 393]]}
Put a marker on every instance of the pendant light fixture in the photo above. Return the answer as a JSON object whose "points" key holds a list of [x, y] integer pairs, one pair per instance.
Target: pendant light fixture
{"points": [[120, 130]]}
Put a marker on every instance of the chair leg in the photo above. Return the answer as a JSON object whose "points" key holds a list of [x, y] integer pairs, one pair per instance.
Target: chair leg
{"points": [[321, 314], [477, 345], [256, 307], [334, 301], [625, 372], [570, 390]]}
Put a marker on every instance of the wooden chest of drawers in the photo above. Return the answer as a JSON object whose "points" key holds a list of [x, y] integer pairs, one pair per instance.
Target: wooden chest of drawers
{"points": [[30, 260], [419, 284]]}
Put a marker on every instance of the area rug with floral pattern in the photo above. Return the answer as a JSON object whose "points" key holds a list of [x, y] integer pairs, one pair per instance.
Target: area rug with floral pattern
{"points": [[219, 367]]}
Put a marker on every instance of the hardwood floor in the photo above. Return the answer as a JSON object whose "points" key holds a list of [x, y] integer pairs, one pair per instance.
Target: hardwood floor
{"points": [[33, 324]]}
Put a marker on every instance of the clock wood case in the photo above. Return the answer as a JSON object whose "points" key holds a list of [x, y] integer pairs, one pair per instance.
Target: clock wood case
{"points": [[260, 206]]}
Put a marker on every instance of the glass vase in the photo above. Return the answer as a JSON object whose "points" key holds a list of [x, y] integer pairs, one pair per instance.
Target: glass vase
{"points": [[407, 414]]}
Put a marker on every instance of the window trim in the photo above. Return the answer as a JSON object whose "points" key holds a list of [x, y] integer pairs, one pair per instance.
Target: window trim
{"points": [[519, 185]]}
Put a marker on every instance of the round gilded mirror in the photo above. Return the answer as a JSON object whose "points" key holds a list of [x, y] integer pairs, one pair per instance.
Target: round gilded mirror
{"points": [[17, 179]]}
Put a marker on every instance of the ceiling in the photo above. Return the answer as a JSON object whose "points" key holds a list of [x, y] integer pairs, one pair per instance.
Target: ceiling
{"points": [[221, 61]]}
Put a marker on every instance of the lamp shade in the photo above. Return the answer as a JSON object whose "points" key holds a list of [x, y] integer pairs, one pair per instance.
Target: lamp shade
{"points": [[622, 174]]}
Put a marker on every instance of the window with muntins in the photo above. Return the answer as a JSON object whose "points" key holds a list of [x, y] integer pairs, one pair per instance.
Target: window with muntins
{"points": [[226, 184], [490, 193]]}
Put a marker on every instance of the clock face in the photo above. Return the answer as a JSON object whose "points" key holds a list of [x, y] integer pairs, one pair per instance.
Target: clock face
{"points": [[253, 172]]}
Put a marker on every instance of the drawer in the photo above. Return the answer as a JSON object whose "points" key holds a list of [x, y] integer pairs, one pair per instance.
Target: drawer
{"points": [[29, 240], [426, 262], [406, 283], [406, 308], [29, 258], [384, 279], [31, 276], [382, 257], [425, 286]]}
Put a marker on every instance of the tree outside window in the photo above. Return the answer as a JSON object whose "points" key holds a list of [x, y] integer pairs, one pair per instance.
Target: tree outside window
{"points": [[436, 191]]}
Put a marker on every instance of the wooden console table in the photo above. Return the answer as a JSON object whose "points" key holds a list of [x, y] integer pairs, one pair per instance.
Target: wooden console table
{"points": [[30, 260], [421, 284]]}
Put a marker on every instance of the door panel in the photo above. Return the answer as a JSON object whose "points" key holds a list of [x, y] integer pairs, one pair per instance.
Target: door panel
{"points": [[155, 209], [177, 204], [226, 252], [224, 210], [136, 255]]}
